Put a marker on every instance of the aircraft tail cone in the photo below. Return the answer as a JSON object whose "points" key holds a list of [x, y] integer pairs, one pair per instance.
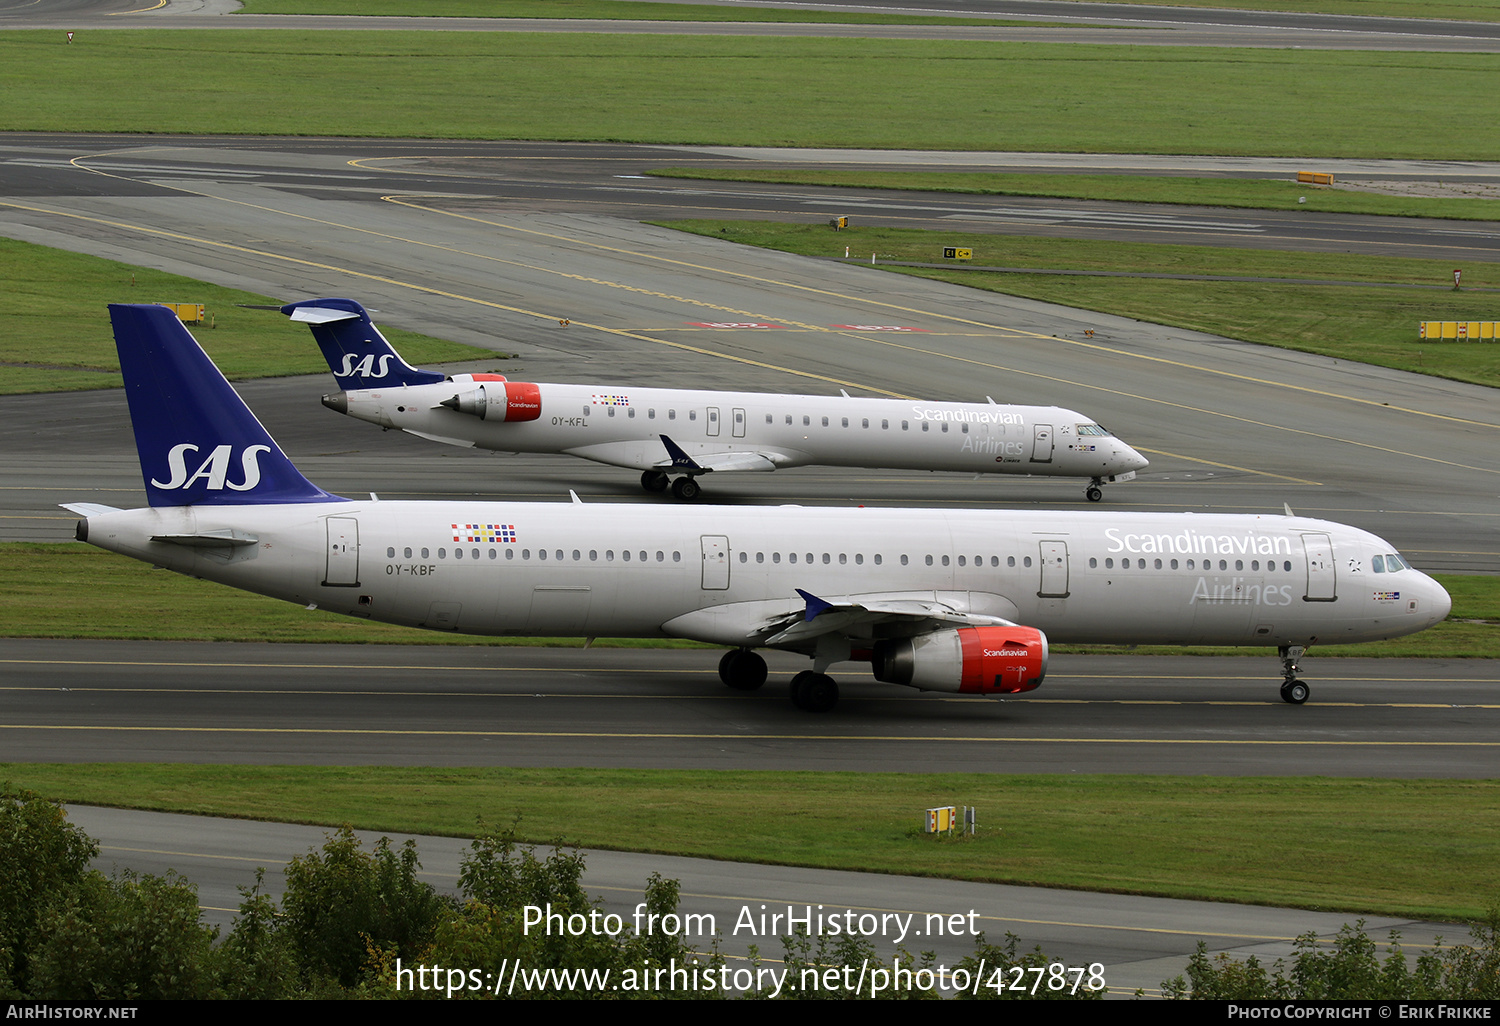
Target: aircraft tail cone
{"points": [[338, 402]]}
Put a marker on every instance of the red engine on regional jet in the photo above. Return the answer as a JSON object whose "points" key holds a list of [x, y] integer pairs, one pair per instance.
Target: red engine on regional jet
{"points": [[971, 660], [510, 401]]}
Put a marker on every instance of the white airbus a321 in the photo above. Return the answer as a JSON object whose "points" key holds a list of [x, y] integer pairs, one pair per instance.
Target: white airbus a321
{"points": [[674, 436], [937, 599]]}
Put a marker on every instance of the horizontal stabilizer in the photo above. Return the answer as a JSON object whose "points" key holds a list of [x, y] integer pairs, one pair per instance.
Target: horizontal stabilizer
{"points": [[209, 539], [88, 509]]}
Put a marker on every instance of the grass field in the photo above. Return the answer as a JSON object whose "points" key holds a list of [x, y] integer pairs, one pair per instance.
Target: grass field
{"points": [[55, 334], [609, 10], [76, 591], [1372, 321], [1260, 194], [1427, 848], [756, 91], [1466, 10]]}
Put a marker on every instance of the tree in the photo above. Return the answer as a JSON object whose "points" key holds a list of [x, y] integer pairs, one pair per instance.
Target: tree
{"points": [[42, 859]]}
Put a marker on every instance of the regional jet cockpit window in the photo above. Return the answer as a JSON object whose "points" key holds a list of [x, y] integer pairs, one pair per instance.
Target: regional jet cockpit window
{"points": [[1094, 429], [1387, 564]]}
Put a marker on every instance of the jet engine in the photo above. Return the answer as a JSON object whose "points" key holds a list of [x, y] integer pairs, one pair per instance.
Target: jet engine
{"points": [[971, 660], [508, 401]]}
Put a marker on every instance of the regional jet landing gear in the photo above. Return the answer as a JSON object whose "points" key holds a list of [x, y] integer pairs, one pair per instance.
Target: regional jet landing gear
{"points": [[1094, 493], [684, 488], [1292, 690]]}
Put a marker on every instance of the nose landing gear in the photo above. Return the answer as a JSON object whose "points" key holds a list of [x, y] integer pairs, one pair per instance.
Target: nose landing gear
{"points": [[1293, 690]]}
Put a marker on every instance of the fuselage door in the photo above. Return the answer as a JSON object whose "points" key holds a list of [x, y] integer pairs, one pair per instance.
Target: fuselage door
{"points": [[1041, 445], [713, 422], [739, 423], [1054, 556], [715, 562], [1321, 586], [342, 570]]}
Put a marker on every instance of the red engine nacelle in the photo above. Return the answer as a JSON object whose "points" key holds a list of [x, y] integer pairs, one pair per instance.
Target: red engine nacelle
{"points": [[971, 660], [508, 401]]}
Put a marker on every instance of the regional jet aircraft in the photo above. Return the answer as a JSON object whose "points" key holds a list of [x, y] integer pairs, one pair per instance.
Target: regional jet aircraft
{"points": [[675, 436], [937, 599]]}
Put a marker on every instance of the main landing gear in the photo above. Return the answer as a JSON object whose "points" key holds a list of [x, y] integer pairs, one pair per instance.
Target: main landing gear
{"points": [[684, 488], [744, 670], [814, 692], [1093, 492], [1293, 690]]}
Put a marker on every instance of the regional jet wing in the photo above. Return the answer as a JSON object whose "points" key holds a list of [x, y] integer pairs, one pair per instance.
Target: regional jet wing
{"points": [[722, 462]]}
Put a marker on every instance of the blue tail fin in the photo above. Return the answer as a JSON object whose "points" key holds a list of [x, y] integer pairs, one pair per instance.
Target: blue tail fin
{"points": [[199, 443], [356, 351]]}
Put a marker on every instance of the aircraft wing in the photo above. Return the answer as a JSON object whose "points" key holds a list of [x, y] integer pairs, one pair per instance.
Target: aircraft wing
{"points": [[725, 462], [859, 617]]}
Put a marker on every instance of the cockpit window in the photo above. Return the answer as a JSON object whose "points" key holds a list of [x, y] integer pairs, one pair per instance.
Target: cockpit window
{"points": [[1377, 564], [1387, 564], [1093, 429]]}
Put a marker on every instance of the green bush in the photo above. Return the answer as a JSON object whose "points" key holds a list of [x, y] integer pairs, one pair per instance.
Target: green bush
{"points": [[1351, 970], [344, 906], [43, 858], [130, 938]]}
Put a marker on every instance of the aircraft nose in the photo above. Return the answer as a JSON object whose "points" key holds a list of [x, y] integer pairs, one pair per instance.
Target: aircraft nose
{"points": [[1132, 460], [337, 401], [1440, 604]]}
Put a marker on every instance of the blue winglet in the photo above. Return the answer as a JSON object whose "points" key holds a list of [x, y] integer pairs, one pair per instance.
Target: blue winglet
{"points": [[356, 351], [680, 459], [815, 605], [199, 444]]}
